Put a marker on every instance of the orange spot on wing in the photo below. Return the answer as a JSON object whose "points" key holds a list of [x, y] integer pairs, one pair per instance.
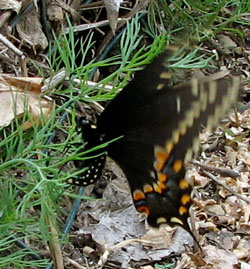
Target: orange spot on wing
{"points": [[182, 210], [163, 186], [169, 146], [158, 166], [185, 199], [157, 188], [138, 195], [161, 155], [147, 188], [143, 209], [183, 184], [177, 166], [162, 177]]}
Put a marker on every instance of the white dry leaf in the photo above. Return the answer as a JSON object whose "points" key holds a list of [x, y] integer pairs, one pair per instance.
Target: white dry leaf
{"points": [[11, 5], [216, 209], [246, 212], [219, 258], [244, 265], [242, 249]]}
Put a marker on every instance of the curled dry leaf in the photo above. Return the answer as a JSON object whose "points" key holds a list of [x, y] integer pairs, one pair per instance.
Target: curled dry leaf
{"points": [[160, 238], [10, 5], [19, 95], [242, 251]]}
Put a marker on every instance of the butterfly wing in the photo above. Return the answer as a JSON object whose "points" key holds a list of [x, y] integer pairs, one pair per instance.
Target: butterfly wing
{"points": [[160, 127]]}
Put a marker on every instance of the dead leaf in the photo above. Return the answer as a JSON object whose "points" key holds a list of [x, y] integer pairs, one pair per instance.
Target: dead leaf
{"points": [[25, 83], [216, 209], [161, 237], [14, 5], [116, 220], [208, 226], [228, 44], [185, 262], [112, 7], [244, 265], [242, 250], [55, 14], [30, 30], [218, 258], [18, 95]]}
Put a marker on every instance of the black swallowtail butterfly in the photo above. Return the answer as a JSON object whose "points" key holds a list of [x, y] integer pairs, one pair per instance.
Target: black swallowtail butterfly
{"points": [[159, 126]]}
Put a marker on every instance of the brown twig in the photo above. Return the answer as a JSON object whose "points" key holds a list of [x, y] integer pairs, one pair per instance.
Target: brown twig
{"points": [[19, 53], [108, 251], [55, 247], [225, 172], [226, 187], [122, 244]]}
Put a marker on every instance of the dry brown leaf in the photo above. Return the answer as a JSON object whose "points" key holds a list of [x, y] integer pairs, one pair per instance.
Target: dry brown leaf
{"points": [[233, 207], [30, 30], [55, 13], [246, 212], [112, 7], [244, 154], [202, 204], [231, 156], [18, 95], [228, 44], [25, 83]]}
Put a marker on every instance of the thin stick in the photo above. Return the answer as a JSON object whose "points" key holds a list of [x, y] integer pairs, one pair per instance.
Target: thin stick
{"points": [[226, 188], [12, 47], [226, 172]]}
